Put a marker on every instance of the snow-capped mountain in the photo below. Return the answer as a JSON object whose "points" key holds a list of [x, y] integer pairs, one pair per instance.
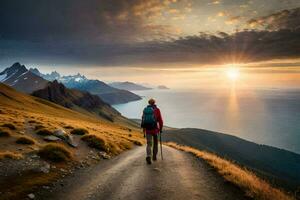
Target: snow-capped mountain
{"points": [[73, 80], [56, 76], [50, 77], [28, 81], [20, 78], [109, 94]]}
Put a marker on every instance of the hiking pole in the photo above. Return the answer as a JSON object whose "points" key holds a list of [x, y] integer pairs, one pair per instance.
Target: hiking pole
{"points": [[161, 153]]}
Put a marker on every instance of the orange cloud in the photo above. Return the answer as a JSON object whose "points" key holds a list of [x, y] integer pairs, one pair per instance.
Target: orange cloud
{"points": [[221, 14], [233, 20]]}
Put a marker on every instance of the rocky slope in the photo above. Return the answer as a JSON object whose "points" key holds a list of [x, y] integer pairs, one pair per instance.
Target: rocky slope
{"points": [[56, 92]]}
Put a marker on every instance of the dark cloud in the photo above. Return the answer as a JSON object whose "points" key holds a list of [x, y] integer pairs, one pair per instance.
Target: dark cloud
{"points": [[120, 33], [285, 19], [244, 46], [88, 21]]}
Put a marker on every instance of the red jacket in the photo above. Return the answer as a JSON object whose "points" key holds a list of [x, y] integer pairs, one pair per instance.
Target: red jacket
{"points": [[159, 121]]}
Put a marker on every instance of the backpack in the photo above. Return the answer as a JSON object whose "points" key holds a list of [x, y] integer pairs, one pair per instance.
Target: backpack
{"points": [[149, 121]]}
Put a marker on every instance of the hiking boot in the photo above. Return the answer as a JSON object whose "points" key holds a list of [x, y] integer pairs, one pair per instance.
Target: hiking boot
{"points": [[148, 159], [154, 158]]}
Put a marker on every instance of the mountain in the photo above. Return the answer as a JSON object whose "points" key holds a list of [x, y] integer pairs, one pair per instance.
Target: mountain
{"points": [[162, 87], [20, 78], [50, 77], [128, 86], [73, 80], [279, 166], [107, 93], [75, 99]]}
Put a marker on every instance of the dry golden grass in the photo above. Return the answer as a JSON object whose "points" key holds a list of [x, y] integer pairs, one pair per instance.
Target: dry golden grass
{"points": [[138, 143], [38, 127], [55, 153], [44, 132], [95, 142], [49, 116], [126, 145], [25, 140], [68, 127], [254, 186], [20, 186], [79, 131], [4, 133], [9, 125], [10, 155]]}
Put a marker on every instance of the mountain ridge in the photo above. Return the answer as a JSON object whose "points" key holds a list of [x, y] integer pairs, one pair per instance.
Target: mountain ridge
{"points": [[22, 79], [127, 85], [70, 98], [107, 93]]}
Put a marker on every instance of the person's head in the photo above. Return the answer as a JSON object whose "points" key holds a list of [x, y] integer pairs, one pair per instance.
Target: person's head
{"points": [[151, 102]]}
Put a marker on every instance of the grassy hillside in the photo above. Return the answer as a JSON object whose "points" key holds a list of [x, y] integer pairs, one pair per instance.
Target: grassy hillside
{"points": [[27, 121], [279, 166], [253, 186]]}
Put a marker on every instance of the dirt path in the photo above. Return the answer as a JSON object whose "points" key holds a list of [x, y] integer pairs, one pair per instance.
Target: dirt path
{"points": [[178, 176]]}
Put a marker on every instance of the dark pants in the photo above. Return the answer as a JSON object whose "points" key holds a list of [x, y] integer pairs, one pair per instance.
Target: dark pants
{"points": [[150, 138]]}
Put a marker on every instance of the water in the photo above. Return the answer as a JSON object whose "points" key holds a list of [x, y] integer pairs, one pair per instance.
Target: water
{"points": [[269, 117]]}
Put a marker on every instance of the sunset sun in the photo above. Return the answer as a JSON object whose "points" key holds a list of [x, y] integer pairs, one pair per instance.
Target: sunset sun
{"points": [[232, 73]]}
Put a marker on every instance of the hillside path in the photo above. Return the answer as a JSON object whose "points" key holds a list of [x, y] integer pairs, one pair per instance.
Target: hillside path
{"points": [[179, 176]]}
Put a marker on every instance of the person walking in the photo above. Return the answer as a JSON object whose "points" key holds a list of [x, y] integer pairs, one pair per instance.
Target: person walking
{"points": [[152, 124]]}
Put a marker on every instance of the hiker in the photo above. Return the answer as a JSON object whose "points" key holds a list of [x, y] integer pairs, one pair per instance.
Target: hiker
{"points": [[152, 124]]}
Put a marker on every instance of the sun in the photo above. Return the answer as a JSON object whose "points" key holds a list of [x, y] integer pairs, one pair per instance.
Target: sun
{"points": [[233, 73]]}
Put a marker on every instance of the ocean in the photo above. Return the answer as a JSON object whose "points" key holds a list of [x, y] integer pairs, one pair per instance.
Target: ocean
{"points": [[264, 116]]}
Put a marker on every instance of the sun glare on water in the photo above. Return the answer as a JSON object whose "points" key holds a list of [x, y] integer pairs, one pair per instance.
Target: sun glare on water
{"points": [[232, 73]]}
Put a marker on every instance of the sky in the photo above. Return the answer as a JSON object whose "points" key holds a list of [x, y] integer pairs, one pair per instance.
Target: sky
{"points": [[177, 42]]}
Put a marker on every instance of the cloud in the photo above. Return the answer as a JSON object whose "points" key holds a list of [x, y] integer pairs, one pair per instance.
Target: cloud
{"points": [[284, 19], [222, 14], [233, 20], [214, 2], [99, 21], [108, 33], [244, 47]]}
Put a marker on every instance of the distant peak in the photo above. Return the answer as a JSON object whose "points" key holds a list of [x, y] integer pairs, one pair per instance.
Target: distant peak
{"points": [[162, 87], [34, 70], [80, 75], [55, 73], [18, 66]]}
